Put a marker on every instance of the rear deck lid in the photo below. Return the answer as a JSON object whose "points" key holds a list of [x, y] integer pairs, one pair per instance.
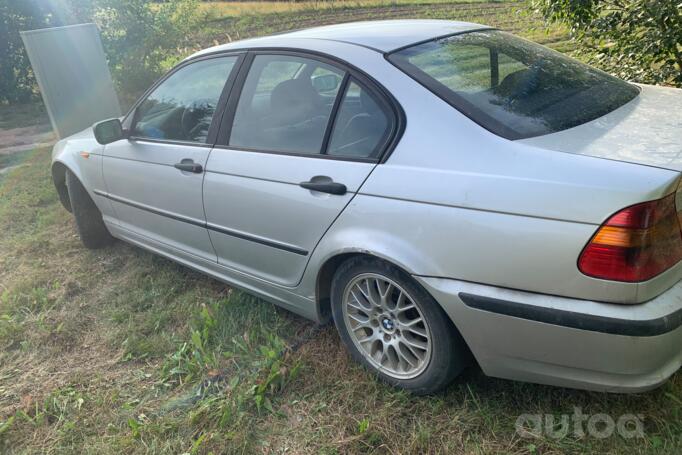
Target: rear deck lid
{"points": [[647, 130]]}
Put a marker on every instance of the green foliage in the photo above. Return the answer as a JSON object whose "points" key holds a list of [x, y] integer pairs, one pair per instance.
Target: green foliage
{"points": [[4, 426], [276, 375], [141, 38], [639, 40], [16, 79], [194, 357], [363, 426]]}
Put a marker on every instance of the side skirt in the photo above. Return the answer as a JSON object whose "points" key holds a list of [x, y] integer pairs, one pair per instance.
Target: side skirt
{"points": [[279, 296]]}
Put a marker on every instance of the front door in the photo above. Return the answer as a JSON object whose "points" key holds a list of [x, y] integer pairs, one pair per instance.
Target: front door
{"points": [[154, 179], [298, 143]]}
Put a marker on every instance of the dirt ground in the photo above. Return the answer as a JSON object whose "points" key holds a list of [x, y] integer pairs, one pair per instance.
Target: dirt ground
{"points": [[23, 128]]}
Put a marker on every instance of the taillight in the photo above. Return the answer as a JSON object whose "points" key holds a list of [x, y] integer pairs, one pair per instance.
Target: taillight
{"points": [[635, 244]]}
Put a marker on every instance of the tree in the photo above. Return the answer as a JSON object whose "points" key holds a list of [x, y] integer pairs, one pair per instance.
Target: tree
{"points": [[141, 38], [639, 40], [16, 79]]}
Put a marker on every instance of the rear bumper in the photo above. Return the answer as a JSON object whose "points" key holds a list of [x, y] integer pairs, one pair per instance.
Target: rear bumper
{"points": [[566, 342]]}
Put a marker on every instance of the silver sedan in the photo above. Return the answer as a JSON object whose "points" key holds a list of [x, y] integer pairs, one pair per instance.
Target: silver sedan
{"points": [[447, 193]]}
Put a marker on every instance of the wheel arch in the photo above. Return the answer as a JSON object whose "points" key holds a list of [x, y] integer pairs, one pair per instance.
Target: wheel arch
{"points": [[328, 269], [323, 284], [83, 164], [59, 179], [345, 242], [323, 293]]}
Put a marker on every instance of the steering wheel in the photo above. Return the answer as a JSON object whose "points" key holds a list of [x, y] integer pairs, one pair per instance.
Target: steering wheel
{"points": [[196, 118]]}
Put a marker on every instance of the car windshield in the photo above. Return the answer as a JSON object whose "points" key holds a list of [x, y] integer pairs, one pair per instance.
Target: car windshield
{"points": [[513, 87]]}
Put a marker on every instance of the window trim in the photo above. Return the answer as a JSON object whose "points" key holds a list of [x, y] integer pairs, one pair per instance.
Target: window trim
{"points": [[130, 118], [331, 122], [397, 119], [386, 136], [443, 92]]}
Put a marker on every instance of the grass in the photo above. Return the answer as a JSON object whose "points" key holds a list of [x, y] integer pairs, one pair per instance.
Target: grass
{"points": [[120, 351], [232, 21], [218, 9]]}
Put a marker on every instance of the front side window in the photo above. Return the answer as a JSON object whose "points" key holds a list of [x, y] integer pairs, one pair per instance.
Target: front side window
{"points": [[285, 105], [182, 107], [513, 87]]}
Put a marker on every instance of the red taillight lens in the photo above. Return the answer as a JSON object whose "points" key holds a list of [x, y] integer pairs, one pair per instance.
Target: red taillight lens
{"points": [[635, 244]]}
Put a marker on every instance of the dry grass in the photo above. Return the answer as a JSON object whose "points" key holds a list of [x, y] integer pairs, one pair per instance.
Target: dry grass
{"points": [[120, 351]]}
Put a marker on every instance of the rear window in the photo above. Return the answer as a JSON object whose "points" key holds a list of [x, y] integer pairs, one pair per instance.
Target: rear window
{"points": [[515, 88]]}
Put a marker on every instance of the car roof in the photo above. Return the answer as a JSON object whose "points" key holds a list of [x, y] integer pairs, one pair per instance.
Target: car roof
{"points": [[382, 36]]}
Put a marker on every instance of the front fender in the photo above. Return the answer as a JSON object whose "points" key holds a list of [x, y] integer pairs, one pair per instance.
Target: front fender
{"points": [[81, 155]]}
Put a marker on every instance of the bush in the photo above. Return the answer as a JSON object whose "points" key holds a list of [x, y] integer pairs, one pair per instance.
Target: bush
{"points": [[640, 40], [141, 39], [16, 79]]}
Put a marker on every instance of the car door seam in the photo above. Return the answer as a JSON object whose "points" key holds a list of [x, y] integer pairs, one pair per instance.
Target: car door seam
{"points": [[312, 251], [104, 156]]}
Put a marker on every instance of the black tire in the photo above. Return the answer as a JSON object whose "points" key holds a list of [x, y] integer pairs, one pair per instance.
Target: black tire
{"points": [[449, 353], [91, 228]]}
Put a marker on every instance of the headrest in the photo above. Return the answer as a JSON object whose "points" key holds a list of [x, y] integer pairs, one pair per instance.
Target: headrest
{"points": [[294, 94]]}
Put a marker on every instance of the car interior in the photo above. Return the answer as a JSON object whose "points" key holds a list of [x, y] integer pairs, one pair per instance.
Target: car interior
{"points": [[361, 126], [182, 107]]}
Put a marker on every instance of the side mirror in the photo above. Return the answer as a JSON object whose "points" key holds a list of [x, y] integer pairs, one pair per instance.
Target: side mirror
{"points": [[326, 82], [109, 131]]}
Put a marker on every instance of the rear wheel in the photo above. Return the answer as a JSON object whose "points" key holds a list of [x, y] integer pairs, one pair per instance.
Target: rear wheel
{"points": [[394, 327], [91, 228]]}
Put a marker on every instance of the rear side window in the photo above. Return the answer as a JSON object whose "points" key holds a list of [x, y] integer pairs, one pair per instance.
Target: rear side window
{"points": [[182, 107], [361, 126], [513, 87]]}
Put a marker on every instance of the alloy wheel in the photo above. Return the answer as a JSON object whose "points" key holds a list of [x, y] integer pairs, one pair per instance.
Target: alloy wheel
{"points": [[387, 326]]}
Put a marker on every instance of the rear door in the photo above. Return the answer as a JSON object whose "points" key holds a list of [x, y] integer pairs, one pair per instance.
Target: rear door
{"points": [[154, 178], [300, 136]]}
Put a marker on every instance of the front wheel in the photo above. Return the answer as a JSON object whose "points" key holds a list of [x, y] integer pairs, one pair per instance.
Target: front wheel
{"points": [[394, 327]]}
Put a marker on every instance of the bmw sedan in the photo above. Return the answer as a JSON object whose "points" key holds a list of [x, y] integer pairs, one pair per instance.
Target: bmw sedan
{"points": [[446, 193]]}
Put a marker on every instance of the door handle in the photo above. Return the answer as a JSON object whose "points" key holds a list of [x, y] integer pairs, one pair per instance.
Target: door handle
{"points": [[325, 186], [188, 165]]}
